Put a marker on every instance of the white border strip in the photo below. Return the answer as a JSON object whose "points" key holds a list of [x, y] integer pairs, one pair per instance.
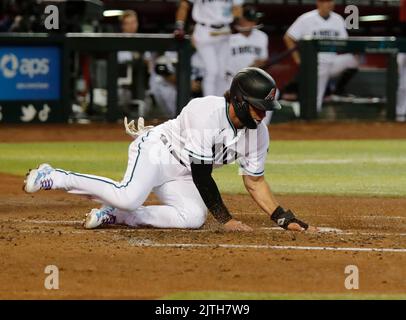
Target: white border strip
{"points": [[250, 246]]}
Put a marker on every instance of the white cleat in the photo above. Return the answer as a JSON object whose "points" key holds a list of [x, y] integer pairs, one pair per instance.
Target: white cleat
{"points": [[38, 179], [99, 217]]}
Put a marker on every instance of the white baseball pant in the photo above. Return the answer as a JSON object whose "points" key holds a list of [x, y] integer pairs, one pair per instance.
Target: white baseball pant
{"points": [[332, 68], [401, 94], [151, 167], [211, 50]]}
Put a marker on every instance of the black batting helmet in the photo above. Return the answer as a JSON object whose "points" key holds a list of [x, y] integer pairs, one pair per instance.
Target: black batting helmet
{"points": [[251, 14], [252, 86], [165, 66]]}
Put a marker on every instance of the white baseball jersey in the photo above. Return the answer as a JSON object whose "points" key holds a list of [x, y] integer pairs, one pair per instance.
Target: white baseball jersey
{"points": [[204, 131], [214, 12], [314, 25], [244, 50]]}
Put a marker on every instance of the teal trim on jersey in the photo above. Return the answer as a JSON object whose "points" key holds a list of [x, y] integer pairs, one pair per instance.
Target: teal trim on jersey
{"points": [[198, 156], [229, 120], [109, 182]]}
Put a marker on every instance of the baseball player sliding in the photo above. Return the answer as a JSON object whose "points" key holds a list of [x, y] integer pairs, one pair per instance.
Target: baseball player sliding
{"points": [[175, 160], [210, 35]]}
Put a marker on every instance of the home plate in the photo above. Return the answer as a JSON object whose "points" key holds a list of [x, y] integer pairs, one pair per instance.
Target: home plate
{"points": [[321, 229], [329, 230]]}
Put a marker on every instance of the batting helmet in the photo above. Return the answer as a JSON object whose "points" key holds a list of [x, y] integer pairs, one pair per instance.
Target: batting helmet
{"points": [[255, 87], [165, 66], [251, 14]]}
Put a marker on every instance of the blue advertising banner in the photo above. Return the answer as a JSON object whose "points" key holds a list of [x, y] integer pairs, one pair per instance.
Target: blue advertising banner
{"points": [[29, 73]]}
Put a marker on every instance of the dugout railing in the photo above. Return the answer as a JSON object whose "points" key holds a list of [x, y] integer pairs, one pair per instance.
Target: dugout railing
{"points": [[109, 43], [308, 71]]}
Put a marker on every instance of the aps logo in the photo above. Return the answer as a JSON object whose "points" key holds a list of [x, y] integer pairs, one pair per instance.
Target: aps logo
{"points": [[10, 66]]}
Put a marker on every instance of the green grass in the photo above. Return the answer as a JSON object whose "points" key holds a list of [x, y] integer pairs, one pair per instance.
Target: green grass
{"points": [[365, 167], [213, 295]]}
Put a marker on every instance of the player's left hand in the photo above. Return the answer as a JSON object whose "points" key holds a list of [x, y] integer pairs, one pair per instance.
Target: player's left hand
{"points": [[235, 225], [134, 132]]}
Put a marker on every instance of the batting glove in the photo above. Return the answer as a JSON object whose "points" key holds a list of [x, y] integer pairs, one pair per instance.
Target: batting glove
{"points": [[134, 132]]}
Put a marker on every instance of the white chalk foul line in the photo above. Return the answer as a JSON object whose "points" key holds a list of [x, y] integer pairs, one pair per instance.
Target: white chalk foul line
{"points": [[68, 222], [331, 231], [251, 246], [336, 216], [335, 231]]}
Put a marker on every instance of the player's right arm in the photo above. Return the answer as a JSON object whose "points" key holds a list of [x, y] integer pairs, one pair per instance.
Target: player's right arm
{"points": [[181, 16], [207, 187], [237, 11], [290, 44], [183, 11], [200, 125], [295, 32]]}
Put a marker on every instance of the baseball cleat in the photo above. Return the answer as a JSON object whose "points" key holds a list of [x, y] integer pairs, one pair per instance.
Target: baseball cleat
{"points": [[38, 179], [99, 217]]}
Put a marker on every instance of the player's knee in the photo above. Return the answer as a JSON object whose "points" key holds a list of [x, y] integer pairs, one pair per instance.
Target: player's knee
{"points": [[195, 217], [127, 204]]}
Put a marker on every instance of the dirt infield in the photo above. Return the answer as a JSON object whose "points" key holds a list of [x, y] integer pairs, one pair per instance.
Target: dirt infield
{"points": [[117, 262]]}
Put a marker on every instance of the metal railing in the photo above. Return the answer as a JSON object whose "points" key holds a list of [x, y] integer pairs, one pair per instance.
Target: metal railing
{"points": [[110, 43], [308, 73]]}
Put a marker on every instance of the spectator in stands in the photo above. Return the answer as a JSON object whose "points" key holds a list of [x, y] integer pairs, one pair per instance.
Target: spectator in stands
{"points": [[26, 17]]}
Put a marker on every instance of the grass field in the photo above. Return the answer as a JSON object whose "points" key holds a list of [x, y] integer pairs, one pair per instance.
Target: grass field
{"points": [[351, 167]]}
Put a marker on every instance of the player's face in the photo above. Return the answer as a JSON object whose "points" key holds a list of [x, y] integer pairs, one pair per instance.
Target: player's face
{"points": [[256, 114], [245, 24], [129, 25], [325, 6]]}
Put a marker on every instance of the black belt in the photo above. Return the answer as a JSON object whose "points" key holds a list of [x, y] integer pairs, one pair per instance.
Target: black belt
{"points": [[173, 153], [214, 26]]}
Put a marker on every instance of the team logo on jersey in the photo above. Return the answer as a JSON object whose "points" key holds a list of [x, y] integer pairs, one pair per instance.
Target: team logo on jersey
{"points": [[271, 95]]}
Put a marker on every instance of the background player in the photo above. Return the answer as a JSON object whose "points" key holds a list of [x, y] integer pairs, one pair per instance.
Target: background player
{"points": [[401, 94], [210, 35], [176, 159], [322, 23], [162, 81], [247, 48]]}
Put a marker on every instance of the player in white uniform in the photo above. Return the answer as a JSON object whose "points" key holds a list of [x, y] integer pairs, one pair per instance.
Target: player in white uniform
{"points": [[162, 81], [401, 95], [210, 35], [247, 48], [175, 160], [322, 23]]}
